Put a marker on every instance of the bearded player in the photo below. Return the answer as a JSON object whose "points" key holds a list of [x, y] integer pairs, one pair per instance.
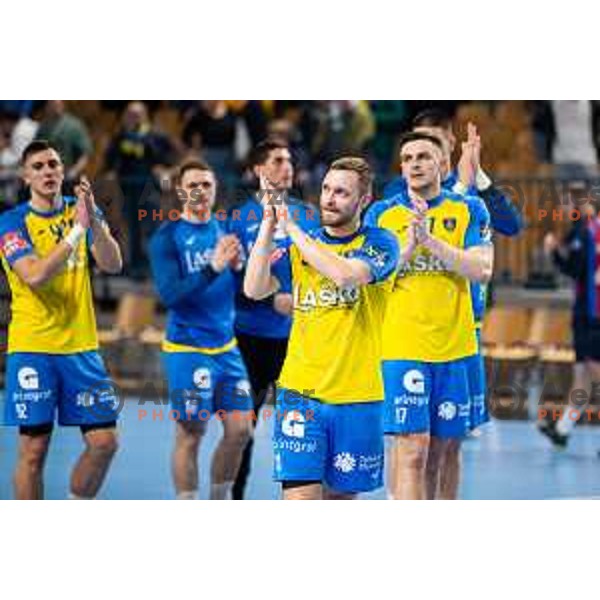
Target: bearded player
{"points": [[328, 439]]}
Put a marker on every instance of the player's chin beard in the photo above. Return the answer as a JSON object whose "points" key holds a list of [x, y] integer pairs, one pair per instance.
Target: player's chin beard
{"points": [[337, 220]]}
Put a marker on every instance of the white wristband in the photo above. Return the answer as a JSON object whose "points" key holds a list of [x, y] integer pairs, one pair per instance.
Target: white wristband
{"points": [[460, 188], [482, 181], [74, 236]]}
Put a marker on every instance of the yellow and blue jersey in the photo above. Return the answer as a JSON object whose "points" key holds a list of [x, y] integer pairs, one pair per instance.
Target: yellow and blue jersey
{"points": [[58, 317], [199, 302], [430, 315], [335, 342]]}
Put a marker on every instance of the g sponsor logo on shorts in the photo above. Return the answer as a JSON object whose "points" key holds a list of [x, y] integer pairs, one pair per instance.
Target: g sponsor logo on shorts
{"points": [[292, 424], [28, 378], [414, 381]]}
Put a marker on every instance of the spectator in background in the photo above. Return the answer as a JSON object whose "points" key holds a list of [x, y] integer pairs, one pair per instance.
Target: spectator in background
{"points": [[255, 119], [342, 127], [68, 135], [542, 123], [139, 157], [211, 131], [573, 151], [390, 120], [16, 132]]}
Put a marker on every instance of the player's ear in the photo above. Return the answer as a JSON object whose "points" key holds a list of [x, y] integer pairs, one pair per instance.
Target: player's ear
{"points": [[257, 170], [23, 173], [365, 201]]}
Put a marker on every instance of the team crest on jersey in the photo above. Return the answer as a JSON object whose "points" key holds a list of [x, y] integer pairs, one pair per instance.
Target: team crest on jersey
{"points": [[449, 223], [11, 243]]}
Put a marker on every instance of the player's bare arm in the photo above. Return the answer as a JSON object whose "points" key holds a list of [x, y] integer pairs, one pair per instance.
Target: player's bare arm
{"points": [[36, 271], [105, 249], [475, 263], [342, 271], [259, 282]]}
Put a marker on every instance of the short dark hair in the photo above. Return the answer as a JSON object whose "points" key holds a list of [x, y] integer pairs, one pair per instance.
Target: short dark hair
{"points": [[361, 167], [192, 165], [34, 147], [432, 117], [415, 136], [260, 153]]}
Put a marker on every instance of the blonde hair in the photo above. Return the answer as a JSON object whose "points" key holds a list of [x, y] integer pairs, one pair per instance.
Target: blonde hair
{"points": [[359, 166]]}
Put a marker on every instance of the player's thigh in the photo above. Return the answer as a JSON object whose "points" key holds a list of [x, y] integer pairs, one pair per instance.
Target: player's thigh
{"points": [[191, 379], [407, 453], [302, 490], [232, 387], [87, 394], [355, 457], [32, 389], [450, 407], [300, 442], [189, 433], [407, 387]]}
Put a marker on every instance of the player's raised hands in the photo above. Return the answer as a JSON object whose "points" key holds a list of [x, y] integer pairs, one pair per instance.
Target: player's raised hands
{"points": [[227, 253], [469, 161], [86, 204]]}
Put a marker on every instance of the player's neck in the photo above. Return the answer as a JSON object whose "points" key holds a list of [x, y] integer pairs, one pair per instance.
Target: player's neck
{"points": [[196, 216], [42, 204], [425, 194], [343, 230]]}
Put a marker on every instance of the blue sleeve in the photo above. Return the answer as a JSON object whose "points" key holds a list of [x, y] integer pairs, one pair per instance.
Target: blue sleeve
{"points": [[478, 232], [394, 187], [505, 217], [381, 252], [173, 287], [15, 242], [372, 213]]}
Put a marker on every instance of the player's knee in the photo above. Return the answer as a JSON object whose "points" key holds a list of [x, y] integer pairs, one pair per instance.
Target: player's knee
{"points": [[453, 449], [103, 443], [33, 455], [189, 435], [412, 454]]}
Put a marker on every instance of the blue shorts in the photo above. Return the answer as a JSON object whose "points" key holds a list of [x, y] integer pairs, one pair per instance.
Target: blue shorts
{"points": [[424, 397], [477, 388], [340, 445], [76, 385], [202, 384]]}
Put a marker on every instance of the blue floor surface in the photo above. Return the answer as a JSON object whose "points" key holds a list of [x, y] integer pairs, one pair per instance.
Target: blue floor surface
{"points": [[510, 460]]}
